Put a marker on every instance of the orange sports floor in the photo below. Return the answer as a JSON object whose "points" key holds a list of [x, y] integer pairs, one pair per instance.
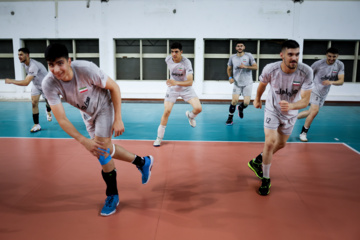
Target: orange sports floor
{"points": [[53, 189]]}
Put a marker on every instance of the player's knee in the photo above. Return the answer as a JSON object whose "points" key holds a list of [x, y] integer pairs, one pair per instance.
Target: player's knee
{"points": [[197, 110]]}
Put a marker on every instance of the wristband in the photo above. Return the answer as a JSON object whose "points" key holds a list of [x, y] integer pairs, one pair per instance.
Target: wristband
{"points": [[230, 78]]}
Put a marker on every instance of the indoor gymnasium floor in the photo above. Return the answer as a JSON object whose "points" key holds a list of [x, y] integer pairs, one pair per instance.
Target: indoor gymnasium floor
{"points": [[200, 187]]}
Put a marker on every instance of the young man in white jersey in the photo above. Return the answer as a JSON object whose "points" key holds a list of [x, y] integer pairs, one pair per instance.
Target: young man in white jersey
{"points": [[290, 90], [239, 70], [35, 73], [179, 85], [83, 85], [327, 72]]}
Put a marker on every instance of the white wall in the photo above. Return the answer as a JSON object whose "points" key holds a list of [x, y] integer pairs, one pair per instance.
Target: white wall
{"points": [[194, 19]]}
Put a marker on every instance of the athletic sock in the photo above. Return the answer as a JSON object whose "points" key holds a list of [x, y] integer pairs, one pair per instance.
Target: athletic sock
{"points": [[242, 105], [138, 161], [110, 180], [232, 109], [161, 131], [266, 170], [304, 129], [258, 158], [192, 115], [36, 118]]}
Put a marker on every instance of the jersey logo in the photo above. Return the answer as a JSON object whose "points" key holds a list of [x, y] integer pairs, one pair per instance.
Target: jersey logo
{"points": [[86, 104], [286, 92], [295, 83], [82, 90]]}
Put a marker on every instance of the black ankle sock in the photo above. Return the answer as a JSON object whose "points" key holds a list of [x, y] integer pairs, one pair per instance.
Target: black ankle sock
{"points": [[304, 130], [139, 161], [110, 180], [258, 159], [242, 106], [36, 118], [232, 109]]}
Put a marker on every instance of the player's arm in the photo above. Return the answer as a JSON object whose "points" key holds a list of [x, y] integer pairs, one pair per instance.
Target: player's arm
{"points": [[229, 73], [340, 80], [188, 82], [24, 82], [68, 127], [252, 67], [302, 103], [259, 92], [118, 126]]}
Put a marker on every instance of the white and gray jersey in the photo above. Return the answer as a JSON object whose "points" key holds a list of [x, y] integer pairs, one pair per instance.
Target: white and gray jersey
{"points": [[242, 76], [86, 91], [324, 71], [179, 71], [285, 86], [37, 70]]}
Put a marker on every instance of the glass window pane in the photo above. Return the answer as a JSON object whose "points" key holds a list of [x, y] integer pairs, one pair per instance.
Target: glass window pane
{"points": [[128, 68], [264, 62], [349, 66], [309, 61], [67, 43], [344, 47], [250, 45], [154, 46], [215, 69], [270, 46], [217, 46], [127, 46], [35, 46], [358, 72], [43, 61], [94, 60], [315, 47], [6, 46], [7, 68], [188, 45], [87, 46], [154, 69]]}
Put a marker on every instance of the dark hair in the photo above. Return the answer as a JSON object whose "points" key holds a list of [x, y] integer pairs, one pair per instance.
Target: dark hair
{"points": [[239, 42], [24, 50], [56, 50], [289, 44], [176, 45], [332, 50]]}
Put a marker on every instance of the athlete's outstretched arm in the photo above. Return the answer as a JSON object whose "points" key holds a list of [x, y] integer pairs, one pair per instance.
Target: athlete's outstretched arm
{"points": [[259, 92], [24, 82]]}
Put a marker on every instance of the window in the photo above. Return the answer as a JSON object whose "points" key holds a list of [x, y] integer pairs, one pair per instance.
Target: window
{"points": [[7, 69], [144, 59], [348, 54], [218, 52], [79, 49]]}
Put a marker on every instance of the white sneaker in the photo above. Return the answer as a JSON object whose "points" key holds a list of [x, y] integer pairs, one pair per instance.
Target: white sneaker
{"points": [[35, 128], [303, 137], [191, 120], [48, 116], [157, 142]]}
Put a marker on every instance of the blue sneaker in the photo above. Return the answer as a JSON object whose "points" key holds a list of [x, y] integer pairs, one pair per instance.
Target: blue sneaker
{"points": [[111, 202], [146, 169]]}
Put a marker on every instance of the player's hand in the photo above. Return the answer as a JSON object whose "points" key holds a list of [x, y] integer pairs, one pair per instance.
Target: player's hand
{"points": [[170, 82], [94, 147], [284, 106], [231, 80], [326, 83], [257, 103], [118, 128], [242, 66], [7, 80]]}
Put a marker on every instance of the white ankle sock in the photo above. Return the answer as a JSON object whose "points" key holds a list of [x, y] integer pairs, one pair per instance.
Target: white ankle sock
{"points": [[266, 170]]}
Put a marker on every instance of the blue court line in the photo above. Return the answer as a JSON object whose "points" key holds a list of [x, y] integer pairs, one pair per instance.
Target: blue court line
{"points": [[334, 124]]}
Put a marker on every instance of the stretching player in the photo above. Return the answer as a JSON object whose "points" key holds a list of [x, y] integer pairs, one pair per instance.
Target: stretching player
{"points": [[239, 70], [35, 73], [327, 72], [179, 85], [83, 85], [290, 90]]}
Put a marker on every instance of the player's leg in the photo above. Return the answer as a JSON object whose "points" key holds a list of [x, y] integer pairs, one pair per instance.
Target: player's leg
{"points": [[232, 108], [316, 103], [246, 92], [48, 111], [163, 122], [197, 108], [35, 112]]}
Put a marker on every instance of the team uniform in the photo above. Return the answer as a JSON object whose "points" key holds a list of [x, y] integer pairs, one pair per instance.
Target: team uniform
{"points": [[243, 77], [38, 71], [286, 87], [179, 72], [86, 91], [322, 72]]}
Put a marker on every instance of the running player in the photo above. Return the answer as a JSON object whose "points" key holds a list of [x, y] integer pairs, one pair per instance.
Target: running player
{"points": [[327, 72], [35, 73], [83, 85], [239, 70], [179, 85], [290, 90]]}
